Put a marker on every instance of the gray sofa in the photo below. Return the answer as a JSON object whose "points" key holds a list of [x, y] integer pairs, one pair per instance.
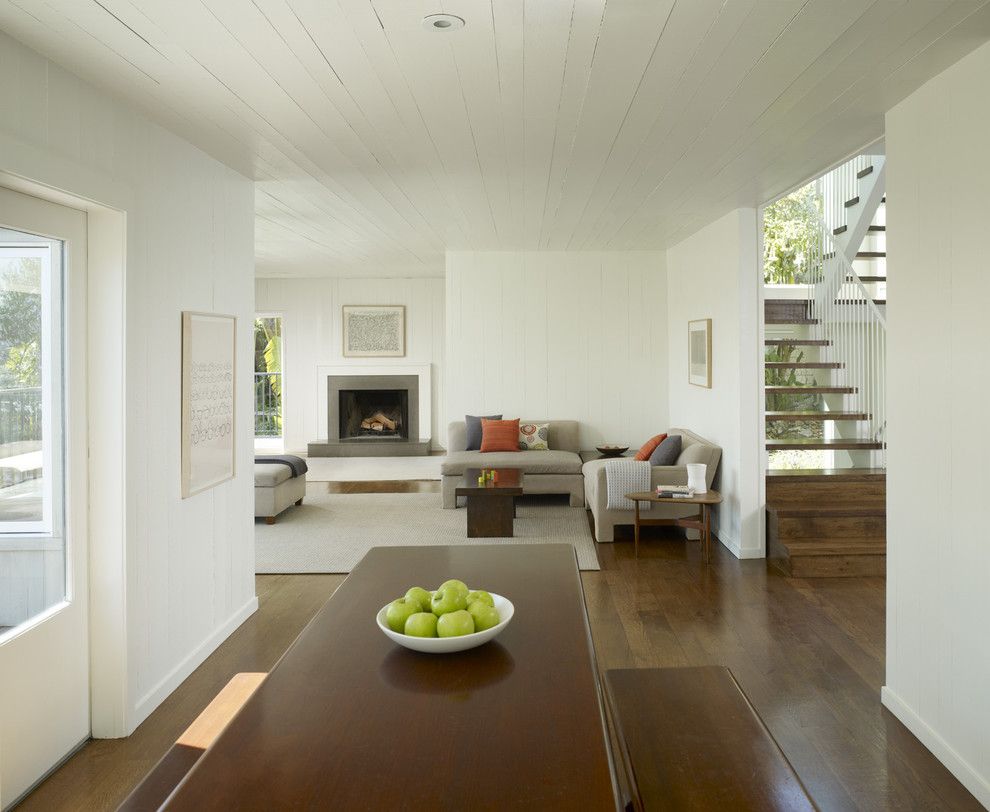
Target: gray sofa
{"points": [[555, 471], [694, 449]]}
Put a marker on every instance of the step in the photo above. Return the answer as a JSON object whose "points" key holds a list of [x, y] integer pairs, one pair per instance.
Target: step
{"points": [[803, 365], [810, 390], [834, 523], [877, 228], [865, 171], [871, 255], [786, 311], [877, 302], [834, 444], [850, 486], [866, 279], [797, 342], [852, 202], [818, 558], [817, 416], [784, 320]]}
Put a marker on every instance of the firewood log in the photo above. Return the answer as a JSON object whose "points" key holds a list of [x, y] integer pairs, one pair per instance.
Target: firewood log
{"points": [[379, 417]]}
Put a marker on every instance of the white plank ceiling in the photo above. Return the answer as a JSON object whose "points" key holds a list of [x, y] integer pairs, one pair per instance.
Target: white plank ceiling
{"points": [[561, 124]]}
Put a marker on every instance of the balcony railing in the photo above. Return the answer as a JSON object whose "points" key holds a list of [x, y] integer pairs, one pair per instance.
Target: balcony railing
{"points": [[267, 404], [20, 415]]}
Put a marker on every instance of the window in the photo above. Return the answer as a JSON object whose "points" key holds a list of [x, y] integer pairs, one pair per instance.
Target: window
{"points": [[267, 377], [32, 539]]}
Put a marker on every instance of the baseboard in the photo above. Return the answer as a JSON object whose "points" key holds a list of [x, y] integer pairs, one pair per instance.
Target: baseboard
{"points": [[192, 661], [734, 547], [940, 748]]}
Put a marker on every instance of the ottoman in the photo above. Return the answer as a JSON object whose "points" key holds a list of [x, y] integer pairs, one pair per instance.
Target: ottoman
{"points": [[275, 488]]}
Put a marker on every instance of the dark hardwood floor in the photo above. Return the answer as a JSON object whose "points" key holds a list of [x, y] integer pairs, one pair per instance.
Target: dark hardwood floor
{"points": [[808, 653]]}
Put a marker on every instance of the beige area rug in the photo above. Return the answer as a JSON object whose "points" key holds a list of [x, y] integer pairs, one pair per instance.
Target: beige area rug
{"points": [[332, 532], [372, 469]]}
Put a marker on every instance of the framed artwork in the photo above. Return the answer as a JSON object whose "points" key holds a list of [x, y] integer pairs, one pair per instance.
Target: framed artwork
{"points": [[700, 352], [374, 331], [209, 355]]}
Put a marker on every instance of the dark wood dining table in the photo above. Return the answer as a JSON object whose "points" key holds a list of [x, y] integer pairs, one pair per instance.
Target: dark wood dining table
{"points": [[347, 719]]}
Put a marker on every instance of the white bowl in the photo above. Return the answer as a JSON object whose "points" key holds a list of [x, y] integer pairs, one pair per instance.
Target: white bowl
{"points": [[446, 645]]}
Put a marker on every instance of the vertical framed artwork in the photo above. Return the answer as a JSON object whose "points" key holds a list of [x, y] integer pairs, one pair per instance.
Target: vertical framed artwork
{"points": [[209, 355], [374, 331], [700, 352]]}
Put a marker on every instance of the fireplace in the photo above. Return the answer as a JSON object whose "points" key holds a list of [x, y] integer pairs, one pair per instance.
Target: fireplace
{"points": [[372, 415], [375, 414]]}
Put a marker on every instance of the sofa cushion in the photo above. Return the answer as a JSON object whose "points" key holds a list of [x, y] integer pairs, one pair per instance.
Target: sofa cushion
{"points": [[667, 452], [499, 435], [695, 452], [530, 462], [268, 475], [649, 447], [472, 425], [534, 436]]}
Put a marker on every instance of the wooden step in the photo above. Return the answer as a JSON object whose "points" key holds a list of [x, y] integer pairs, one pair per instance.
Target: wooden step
{"points": [[847, 486], [877, 228], [797, 342], [834, 523], [866, 279], [840, 230], [810, 390], [803, 365], [835, 444], [865, 171], [812, 558], [790, 321], [871, 255], [877, 302], [786, 311], [852, 202], [817, 416]]}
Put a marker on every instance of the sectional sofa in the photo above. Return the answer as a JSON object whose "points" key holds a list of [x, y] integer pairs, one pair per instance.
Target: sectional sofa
{"points": [[579, 474]]}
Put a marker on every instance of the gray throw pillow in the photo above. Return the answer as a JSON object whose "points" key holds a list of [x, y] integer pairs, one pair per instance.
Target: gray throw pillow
{"points": [[667, 452], [473, 426]]}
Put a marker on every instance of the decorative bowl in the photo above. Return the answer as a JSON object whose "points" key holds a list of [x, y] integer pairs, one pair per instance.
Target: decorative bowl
{"points": [[447, 645], [612, 450]]}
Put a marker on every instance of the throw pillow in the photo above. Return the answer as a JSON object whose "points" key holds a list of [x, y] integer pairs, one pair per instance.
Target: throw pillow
{"points": [[667, 452], [534, 436], [499, 435], [649, 447], [473, 426]]}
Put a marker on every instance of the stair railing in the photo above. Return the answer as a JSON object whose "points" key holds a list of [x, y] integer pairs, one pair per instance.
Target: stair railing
{"points": [[845, 312]]}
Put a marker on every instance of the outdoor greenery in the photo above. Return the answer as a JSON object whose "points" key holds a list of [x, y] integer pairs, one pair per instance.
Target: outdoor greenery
{"points": [[268, 377], [20, 323], [790, 230]]}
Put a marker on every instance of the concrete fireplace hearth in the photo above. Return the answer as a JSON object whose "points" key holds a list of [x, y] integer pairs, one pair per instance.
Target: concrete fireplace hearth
{"points": [[375, 411]]}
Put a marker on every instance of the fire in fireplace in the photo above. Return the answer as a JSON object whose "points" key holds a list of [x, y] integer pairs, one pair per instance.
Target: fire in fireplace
{"points": [[374, 413]]}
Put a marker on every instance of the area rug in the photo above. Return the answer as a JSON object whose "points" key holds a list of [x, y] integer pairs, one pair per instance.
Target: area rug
{"points": [[332, 532], [372, 469]]}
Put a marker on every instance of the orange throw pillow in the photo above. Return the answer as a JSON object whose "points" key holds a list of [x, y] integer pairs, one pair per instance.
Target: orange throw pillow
{"points": [[499, 435], [649, 447]]}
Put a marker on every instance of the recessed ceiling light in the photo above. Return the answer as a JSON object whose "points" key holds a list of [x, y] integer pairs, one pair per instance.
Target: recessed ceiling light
{"points": [[442, 22]]}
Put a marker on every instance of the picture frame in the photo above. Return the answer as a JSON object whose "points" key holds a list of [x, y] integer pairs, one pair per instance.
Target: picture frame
{"points": [[700, 353], [374, 331], [209, 379]]}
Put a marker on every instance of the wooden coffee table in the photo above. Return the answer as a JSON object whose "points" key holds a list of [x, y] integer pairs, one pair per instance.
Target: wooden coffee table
{"points": [[702, 522], [347, 719], [491, 507]]}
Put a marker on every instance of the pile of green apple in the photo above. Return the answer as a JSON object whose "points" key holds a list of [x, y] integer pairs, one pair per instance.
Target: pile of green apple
{"points": [[452, 610]]}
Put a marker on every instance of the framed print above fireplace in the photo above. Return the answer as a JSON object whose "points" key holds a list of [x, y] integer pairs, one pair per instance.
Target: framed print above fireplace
{"points": [[374, 331]]}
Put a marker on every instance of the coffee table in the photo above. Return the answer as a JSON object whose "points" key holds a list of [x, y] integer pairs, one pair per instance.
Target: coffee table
{"points": [[491, 507], [702, 522], [347, 719]]}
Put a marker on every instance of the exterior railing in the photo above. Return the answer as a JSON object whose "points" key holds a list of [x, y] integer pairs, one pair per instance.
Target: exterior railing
{"points": [[20, 415], [267, 404]]}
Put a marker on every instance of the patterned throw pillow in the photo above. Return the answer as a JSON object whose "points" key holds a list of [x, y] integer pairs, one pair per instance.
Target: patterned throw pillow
{"points": [[649, 447], [499, 435], [534, 436]]}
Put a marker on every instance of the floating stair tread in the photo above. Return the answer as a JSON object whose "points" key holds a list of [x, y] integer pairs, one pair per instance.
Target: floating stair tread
{"points": [[877, 228], [797, 391], [803, 364], [871, 255], [852, 202], [823, 416], [865, 171], [790, 321], [853, 545], [840, 230], [830, 474], [862, 278], [836, 444], [797, 342], [858, 301]]}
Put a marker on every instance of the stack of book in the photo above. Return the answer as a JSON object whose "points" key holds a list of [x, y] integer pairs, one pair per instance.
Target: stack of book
{"points": [[674, 491]]}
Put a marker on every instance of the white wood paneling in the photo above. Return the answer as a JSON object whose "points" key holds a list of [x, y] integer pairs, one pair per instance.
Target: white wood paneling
{"points": [[566, 335], [713, 274], [572, 124], [938, 561], [312, 336], [189, 245]]}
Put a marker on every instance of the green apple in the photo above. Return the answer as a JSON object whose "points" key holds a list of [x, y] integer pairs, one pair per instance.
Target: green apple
{"points": [[454, 584], [480, 595], [417, 593], [448, 600], [399, 611], [455, 624], [422, 624], [485, 617]]}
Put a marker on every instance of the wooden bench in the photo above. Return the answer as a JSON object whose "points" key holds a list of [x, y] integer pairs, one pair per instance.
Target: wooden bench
{"points": [[157, 785], [690, 740]]}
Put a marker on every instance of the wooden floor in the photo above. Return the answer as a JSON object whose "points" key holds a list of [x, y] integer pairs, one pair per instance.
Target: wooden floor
{"points": [[808, 653]]}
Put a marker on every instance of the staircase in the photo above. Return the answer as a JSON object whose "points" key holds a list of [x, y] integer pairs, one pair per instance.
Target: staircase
{"points": [[825, 347]]}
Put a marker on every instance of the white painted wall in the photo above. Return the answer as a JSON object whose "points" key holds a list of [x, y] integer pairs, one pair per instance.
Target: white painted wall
{"points": [[189, 245], [714, 274], [311, 309], [571, 335], [938, 559]]}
